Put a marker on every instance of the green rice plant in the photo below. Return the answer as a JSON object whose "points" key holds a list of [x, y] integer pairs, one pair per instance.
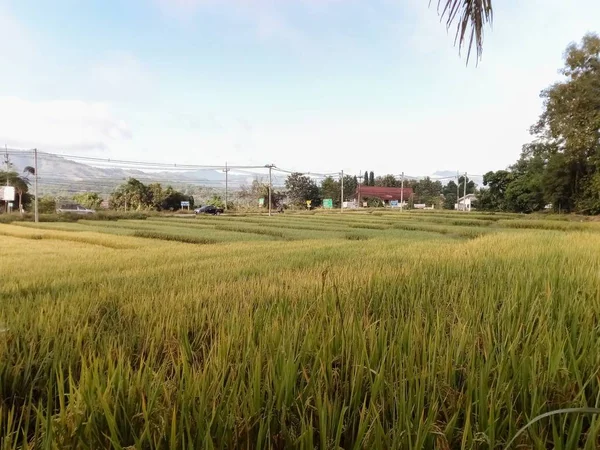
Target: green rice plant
{"points": [[550, 225], [413, 339], [253, 230], [173, 237]]}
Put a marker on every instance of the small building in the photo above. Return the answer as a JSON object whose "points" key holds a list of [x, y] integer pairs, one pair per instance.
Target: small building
{"points": [[385, 194], [466, 203]]}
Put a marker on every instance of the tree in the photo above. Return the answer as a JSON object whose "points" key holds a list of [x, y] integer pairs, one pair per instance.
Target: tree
{"points": [[493, 198], [568, 131], [301, 188], [330, 188], [387, 181], [217, 201], [132, 194], [156, 196], [427, 191], [561, 166], [371, 179], [172, 198], [366, 179], [19, 182], [90, 200], [136, 195], [47, 205], [471, 186], [350, 187], [449, 193]]}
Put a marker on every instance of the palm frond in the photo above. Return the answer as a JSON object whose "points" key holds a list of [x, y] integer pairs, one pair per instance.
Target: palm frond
{"points": [[470, 15], [29, 170]]}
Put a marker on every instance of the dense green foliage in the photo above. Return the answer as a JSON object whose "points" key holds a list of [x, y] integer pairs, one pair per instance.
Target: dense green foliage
{"points": [[300, 189], [561, 168], [135, 195], [21, 184], [91, 200]]}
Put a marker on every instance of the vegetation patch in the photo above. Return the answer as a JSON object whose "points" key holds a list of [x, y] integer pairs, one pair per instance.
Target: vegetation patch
{"points": [[261, 231], [356, 237], [173, 237], [369, 226]]}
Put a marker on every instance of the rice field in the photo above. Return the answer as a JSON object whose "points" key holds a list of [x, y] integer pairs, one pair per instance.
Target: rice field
{"points": [[413, 330]]}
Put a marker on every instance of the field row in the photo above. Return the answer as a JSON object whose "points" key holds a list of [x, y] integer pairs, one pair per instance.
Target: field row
{"points": [[290, 227], [293, 341]]}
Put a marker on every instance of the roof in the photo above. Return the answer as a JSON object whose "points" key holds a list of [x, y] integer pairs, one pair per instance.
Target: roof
{"points": [[468, 196], [384, 193]]}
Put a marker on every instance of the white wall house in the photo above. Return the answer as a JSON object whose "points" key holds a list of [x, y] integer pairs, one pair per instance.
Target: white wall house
{"points": [[465, 203]]}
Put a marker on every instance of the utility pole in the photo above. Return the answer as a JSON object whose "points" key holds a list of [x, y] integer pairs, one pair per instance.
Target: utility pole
{"points": [[7, 162], [226, 184], [270, 166], [457, 190], [360, 177], [35, 186], [402, 193], [465, 197], [342, 193]]}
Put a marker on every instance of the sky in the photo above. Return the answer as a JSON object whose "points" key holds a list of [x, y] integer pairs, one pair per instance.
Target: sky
{"points": [[308, 85]]}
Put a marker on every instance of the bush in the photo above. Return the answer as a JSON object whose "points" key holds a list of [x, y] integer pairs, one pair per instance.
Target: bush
{"points": [[9, 218], [46, 205]]}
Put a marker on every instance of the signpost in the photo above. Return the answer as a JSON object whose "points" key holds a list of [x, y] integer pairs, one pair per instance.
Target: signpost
{"points": [[328, 203], [185, 204], [394, 203], [261, 202]]}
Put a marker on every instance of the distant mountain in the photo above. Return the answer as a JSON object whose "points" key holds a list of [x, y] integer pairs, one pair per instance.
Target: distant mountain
{"points": [[60, 174]]}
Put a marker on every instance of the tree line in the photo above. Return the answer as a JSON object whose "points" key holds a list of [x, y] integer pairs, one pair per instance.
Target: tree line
{"points": [[300, 188], [559, 169], [134, 195]]}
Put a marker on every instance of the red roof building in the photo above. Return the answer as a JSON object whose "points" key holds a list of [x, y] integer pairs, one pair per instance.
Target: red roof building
{"points": [[384, 193]]}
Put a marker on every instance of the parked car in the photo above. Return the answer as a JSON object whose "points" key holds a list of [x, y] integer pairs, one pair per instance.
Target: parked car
{"points": [[74, 208], [209, 209]]}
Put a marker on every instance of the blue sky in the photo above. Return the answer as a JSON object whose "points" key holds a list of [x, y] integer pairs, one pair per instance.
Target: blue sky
{"points": [[318, 85]]}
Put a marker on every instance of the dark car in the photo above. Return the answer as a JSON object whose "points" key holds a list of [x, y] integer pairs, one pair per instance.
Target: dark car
{"points": [[209, 209]]}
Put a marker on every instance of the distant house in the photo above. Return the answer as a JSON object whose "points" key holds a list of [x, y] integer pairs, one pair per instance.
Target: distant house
{"points": [[385, 194], [465, 203]]}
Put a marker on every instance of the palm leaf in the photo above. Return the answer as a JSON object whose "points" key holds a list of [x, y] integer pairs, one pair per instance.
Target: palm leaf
{"points": [[29, 170], [469, 15]]}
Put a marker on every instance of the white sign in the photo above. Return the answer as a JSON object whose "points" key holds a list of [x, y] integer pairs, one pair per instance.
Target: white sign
{"points": [[7, 193]]}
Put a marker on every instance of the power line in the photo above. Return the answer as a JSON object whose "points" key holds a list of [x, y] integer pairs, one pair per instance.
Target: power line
{"points": [[171, 173]]}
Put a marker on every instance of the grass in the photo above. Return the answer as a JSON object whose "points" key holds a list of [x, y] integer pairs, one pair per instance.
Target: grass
{"points": [[173, 237], [407, 334]]}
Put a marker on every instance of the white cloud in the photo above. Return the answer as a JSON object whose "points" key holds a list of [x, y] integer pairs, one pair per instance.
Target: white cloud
{"points": [[59, 125], [266, 17], [120, 76], [18, 43]]}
